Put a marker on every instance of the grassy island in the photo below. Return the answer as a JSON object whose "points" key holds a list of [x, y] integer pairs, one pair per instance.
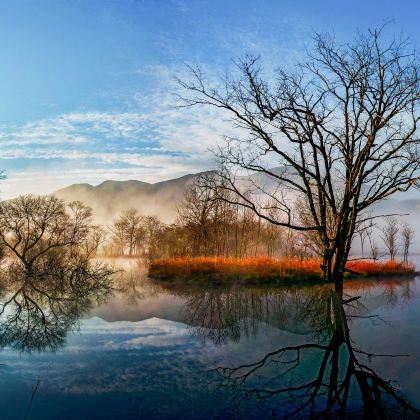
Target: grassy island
{"points": [[259, 270]]}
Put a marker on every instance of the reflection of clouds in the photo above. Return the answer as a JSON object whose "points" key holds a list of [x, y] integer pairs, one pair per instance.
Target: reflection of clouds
{"points": [[158, 366], [126, 335], [148, 338], [150, 326], [150, 356]]}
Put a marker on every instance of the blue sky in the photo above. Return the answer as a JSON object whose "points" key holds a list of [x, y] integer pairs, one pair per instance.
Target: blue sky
{"points": [[86, 86]]}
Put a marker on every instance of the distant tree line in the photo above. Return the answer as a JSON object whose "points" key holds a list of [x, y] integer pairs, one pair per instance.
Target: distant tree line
{"points": [[205, 226], [36, 231], [209, 226], [396, 237]]}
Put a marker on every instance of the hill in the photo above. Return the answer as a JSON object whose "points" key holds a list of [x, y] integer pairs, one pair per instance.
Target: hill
{"points": [[110, 198]]}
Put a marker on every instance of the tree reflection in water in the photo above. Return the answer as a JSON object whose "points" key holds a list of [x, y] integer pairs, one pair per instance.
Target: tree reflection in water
{"points": [[323, 378], [132, 283], [40, 308]]}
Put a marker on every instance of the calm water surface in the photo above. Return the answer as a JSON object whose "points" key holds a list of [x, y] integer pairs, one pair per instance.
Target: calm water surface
{"points": [[153, 351]]}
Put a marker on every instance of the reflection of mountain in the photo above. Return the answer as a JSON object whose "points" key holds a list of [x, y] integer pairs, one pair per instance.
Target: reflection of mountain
{"points": [[236, 311], [171, 308], [242, 309]]}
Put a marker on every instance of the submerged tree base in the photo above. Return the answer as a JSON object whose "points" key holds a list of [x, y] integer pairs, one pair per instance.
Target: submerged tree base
{"points": [[260, 270]]}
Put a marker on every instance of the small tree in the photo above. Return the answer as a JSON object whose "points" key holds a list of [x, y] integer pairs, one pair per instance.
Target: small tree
{"points": [[390, 236], [117, 238], [131, 222], [195, 214], [94, 240], [127, 232], [374, 250], [407, 233], [152, 227]]}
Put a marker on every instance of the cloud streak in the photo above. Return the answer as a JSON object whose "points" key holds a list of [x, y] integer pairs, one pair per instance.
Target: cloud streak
{"points": [[144, 137], [152, 142]]}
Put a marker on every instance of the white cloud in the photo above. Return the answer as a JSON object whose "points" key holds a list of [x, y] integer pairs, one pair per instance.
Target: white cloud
{"points": [[152, 141]]}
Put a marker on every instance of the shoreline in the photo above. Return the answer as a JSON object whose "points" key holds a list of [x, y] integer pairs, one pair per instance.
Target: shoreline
{"points": [[263, 270]]}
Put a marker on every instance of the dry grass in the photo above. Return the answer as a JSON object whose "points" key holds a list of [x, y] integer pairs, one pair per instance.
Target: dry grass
{"points": [[377, 269], [260, 269]]}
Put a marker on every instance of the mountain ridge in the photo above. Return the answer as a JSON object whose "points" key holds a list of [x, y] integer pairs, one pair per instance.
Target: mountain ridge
{"points": [[109, 198]]}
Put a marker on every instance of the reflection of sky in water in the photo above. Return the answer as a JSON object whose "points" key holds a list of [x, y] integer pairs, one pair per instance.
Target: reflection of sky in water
{"points": [[149, 359], [154, 367]]}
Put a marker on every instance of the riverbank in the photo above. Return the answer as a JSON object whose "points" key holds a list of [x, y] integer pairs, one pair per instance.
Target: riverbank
{"points": [[260, 270]]}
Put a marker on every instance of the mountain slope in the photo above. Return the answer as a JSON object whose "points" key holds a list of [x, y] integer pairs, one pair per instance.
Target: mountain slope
{"points": [[110, 198]]}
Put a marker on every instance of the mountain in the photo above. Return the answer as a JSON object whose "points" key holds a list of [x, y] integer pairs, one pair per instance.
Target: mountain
{"points": [[162, 199], [110, 198]]}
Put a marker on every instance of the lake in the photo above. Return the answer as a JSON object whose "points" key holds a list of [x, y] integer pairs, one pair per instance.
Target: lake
{"points": [[157, 351]]}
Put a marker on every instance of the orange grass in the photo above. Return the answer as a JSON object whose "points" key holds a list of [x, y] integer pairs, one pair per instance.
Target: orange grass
{"points": [[374, 268], [261, 269]]}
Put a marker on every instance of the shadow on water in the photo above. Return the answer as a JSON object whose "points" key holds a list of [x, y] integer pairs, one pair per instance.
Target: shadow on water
{"points": [[339, 382]]}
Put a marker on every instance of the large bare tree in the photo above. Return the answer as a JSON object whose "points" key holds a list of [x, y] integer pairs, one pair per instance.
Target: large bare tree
{"points": [[32, 227], [340, 129]]}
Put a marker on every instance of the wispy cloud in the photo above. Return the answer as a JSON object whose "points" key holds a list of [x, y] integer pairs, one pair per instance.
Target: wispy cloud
{"points": [[152, 142], [143, 137]]}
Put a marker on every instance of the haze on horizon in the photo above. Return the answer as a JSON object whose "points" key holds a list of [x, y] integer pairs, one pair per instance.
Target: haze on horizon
{"points": [[87, 87]]}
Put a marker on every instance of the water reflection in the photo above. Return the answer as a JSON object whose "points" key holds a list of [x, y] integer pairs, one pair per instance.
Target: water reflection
{"points": [[155, 351], [325, 376], [226, 315], [39, 309], [328, 377]]}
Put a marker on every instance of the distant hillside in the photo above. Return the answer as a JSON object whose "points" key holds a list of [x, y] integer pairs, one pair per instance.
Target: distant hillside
{"points": [[162, 199], [110, 198]]}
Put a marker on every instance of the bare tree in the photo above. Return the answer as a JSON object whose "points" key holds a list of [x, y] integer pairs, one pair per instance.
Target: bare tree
{"points": [[127, 232], [209, 223], [362, 235], [390, 236], [131, 222], [95, 238], [116, 246], [342, 131], [31, 227], [196, 214], [374, 250], [407, 233], [152, 228]]}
